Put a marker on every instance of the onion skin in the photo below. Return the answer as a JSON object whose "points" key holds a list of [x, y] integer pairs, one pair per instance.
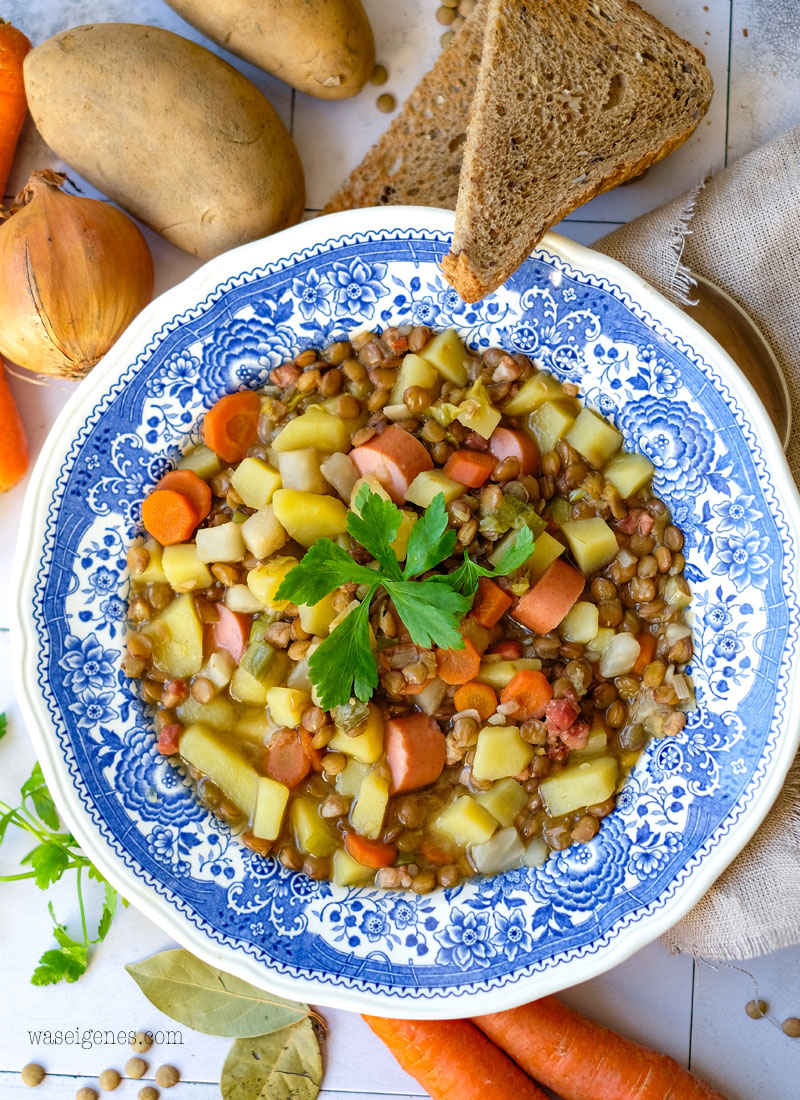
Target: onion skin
{"points": [[74, 272]]}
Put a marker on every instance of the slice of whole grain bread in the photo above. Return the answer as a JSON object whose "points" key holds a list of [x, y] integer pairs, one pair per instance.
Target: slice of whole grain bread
{"points": [[573, 98], [418, 159]]}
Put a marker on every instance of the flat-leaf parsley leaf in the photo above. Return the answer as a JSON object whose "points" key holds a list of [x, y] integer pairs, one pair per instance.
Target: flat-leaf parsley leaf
{"points": [[344, 666], [465, 578], [55, 853]]}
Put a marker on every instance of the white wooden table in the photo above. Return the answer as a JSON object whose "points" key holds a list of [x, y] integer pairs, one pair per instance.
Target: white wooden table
{"points": [[691, 1011]]}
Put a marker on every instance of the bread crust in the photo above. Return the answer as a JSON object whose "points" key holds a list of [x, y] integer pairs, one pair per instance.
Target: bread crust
{"points": [[417, 161], [674, 74], [472, 287]]}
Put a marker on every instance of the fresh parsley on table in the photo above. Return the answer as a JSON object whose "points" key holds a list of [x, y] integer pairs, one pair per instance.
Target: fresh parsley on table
{"points": [[431, 609], [55, 853]]}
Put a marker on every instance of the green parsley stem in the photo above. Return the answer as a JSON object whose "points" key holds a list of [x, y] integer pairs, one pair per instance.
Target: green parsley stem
{"points": [[32, 874], [80, 902]]}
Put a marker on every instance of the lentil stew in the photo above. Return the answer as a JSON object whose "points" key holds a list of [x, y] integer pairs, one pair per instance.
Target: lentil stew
{"points": [[462, 761]]}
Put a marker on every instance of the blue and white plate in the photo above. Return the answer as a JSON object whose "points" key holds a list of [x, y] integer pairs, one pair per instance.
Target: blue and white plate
{"points": [[692, 802]]}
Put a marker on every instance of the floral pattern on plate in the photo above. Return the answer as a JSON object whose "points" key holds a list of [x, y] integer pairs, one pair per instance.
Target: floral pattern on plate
{"points": [[684, 796]]}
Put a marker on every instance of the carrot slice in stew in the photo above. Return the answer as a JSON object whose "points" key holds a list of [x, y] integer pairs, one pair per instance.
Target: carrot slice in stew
{"points": [[476, 696], [647, 651], [372, 853], [230, 427], [188, 484], [458, 666], [530, 690], [452, 1060], [169, 517], [544, 605], [470, 468], [582, 1060], [415, 689], [491, 603], [314, 755], [435, 854], [285, 758], [509, 650]]}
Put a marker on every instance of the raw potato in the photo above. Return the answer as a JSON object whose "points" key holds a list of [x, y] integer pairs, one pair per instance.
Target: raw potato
{"points": [[170, 132], [322, 47]]}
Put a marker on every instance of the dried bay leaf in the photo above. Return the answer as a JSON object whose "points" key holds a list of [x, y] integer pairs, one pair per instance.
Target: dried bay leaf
{"points": [[208, 1000], [285, 1065]]}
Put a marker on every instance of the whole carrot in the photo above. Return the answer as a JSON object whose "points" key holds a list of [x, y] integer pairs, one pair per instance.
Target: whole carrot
{"points": [[13, 105], [581, 1060], [13, 443], [453, 1061]]}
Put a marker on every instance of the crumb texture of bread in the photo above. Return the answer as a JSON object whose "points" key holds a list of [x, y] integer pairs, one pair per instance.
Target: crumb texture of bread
{"points": [[417, 161], [572, 99]]}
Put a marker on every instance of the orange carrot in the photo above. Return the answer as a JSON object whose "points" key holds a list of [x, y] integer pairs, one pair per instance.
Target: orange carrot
{"points": [[169, 516], [453, 1061], [476, 696], [285, 758], [546, 603], [14, 448], [13, 105], [414, 689], [491, 603], [434, 853], [230, 427], [530, 690], [372, 853], [458, 666], [471, 468], [188, 484], [314, 755], [581, 1060], [647, 651], [508, 649]]}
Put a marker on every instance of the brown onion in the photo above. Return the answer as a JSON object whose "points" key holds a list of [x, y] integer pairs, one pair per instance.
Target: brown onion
{"points": [[74, 272]]}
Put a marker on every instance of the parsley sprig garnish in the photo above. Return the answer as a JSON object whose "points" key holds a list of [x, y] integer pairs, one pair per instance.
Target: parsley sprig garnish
{"points": [[56, 852], [431, 609]]}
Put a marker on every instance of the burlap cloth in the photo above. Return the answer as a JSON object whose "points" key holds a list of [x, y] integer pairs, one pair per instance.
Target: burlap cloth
{"points": [[741, 230]]}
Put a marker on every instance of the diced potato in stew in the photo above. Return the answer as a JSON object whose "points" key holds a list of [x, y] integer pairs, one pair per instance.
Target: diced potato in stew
{"points": [[406, 495]]}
